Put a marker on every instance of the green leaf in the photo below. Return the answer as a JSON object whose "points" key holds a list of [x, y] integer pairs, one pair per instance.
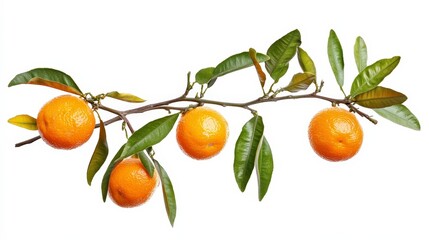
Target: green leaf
{"points": [[264, 167], [306, 63], [401, 115], [300, 81], [106, 178], [373, 75], [204, 75], [99, 155], [168, 193], [280, 53], [246, 149], [335, 54], [237, 62], [147, 162], [360, 53], [125, 97], [149, 135], [47, 77], [380, 97], [24, 121]]}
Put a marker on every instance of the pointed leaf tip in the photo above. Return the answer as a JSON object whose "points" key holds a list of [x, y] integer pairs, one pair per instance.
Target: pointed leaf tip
{"points": [[300, 81], [167, 192], [261, 75], [401, 115], [127, 97], [373, 75], [24, 121], [264, 167], [335, 55], [47, 77], [280, 54], [99, 155], [380, 97], [246, 150], [360, 54]]}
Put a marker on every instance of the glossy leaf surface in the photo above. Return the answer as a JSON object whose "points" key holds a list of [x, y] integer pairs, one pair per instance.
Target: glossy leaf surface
{"points": [[264, 167], [168, 193], [147, 162], [246, 149], [106, 178], [47, 77], [380, 97], [360, 54], [127, 97], [24, 121], [401, 115], [99, 155], [373, 75], [149, 135], [300, 81], [335, 55], [237, 62], [280, 53]]}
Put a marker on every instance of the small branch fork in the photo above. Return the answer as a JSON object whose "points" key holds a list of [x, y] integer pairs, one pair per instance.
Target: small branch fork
{"points": [[199, 101]]}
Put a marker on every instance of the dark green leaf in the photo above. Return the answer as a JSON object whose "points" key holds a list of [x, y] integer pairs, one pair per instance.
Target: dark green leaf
{"points": [[300, 81], [264, 167], [204, 75], [168, 193], [125, 97], [24, 121], [99, 155], [147, 162], [211, 82], [360, 53], [106, 178], [280, 53], [47, 77], [306, 63], [236, 62], [335, 54], [373, 75], [149, 135], [401, 115], [380, 97], [246, 149]]}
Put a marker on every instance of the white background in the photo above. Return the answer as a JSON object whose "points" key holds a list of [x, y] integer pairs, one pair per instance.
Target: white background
{"points": [[147, 49]]}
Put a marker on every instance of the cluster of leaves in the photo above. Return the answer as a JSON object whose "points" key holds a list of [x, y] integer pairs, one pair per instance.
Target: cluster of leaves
{"points": [[252, 150]]}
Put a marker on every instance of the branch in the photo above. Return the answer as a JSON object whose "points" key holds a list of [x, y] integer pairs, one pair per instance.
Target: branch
{"points": [[166, 105]]}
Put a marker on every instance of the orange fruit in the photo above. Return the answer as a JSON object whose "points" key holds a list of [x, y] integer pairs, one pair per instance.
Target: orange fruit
{"points": [[130, 185], [202, 133], [335, 134], [66, 122]]}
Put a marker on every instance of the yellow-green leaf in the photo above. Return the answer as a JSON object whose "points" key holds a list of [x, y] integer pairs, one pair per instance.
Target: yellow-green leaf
{"points": [[125, 97], [306, 63], [380, 97], [300, 81], [24, 121]]}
